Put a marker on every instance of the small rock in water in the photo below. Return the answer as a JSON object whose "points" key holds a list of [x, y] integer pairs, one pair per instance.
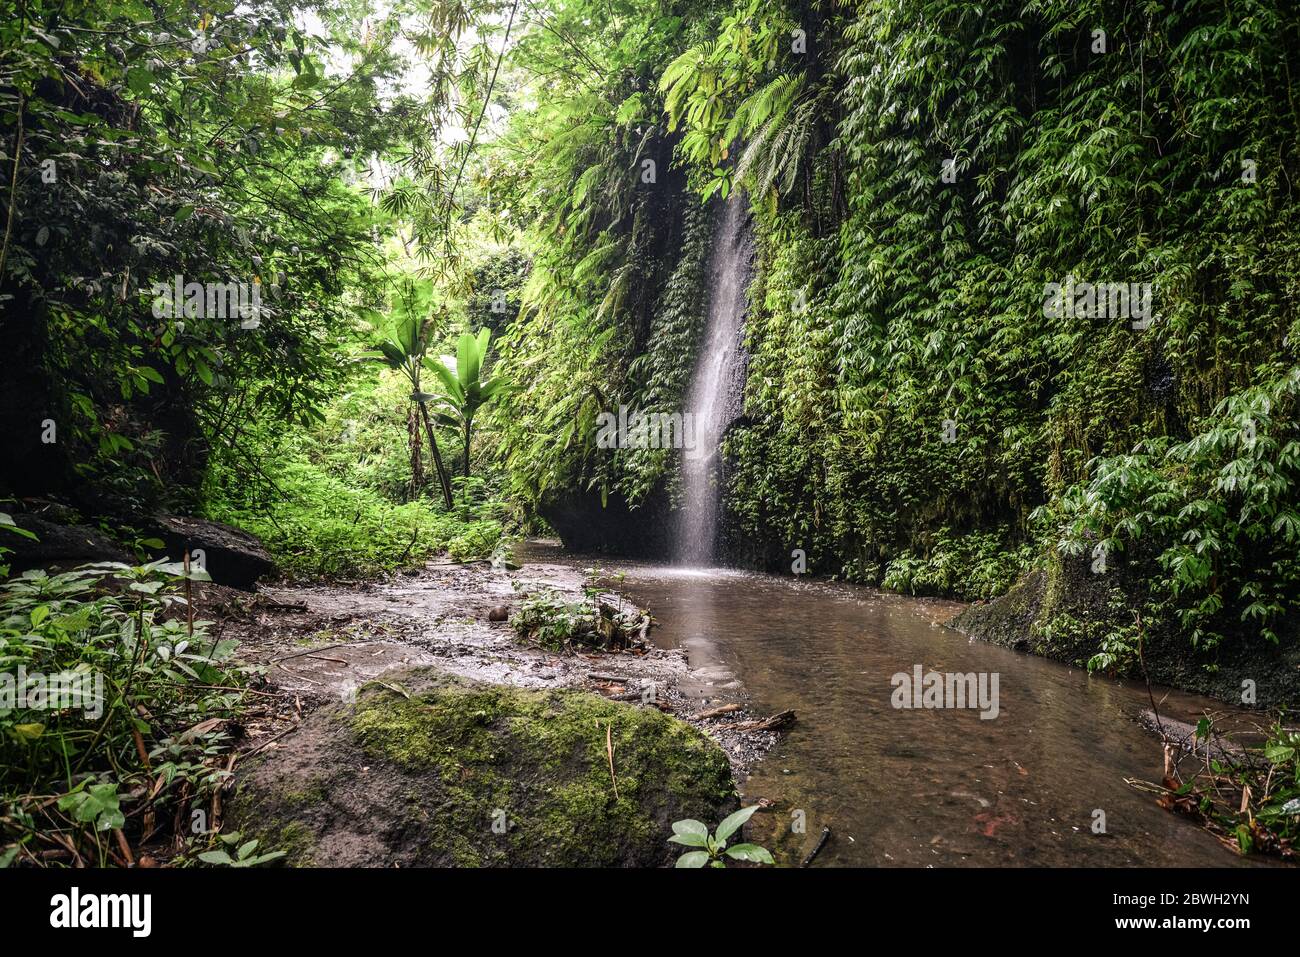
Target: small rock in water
{"points": [[499, 613]]}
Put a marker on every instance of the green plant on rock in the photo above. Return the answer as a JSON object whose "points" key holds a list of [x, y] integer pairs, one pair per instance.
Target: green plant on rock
{"points": [[546, 617], [713, 847]]}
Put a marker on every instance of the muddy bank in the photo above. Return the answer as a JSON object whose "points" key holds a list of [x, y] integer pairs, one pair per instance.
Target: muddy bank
{"points": [[320, 644], [394, 720]]}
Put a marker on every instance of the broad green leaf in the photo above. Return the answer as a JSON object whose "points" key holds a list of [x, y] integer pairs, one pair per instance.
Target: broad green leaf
{"points": [[1279, 753], [690, 840], [7, 523], [733, 822], [749, 852], [449, 382], [466, 360]]}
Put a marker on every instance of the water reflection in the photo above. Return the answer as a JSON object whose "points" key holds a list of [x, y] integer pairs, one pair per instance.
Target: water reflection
{"points": [[921, 787]]}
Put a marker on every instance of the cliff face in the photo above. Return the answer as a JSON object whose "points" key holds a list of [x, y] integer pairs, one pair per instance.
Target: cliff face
{"points": [[1064, 611]]}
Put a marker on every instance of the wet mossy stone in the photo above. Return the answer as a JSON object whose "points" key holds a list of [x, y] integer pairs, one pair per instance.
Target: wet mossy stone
{"points": [[462, 774], [1063, 610]]}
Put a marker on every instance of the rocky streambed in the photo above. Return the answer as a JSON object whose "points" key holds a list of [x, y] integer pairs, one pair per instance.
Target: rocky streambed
{"points": [[399, 725]]}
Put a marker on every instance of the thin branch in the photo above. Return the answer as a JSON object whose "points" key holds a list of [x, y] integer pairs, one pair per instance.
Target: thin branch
{"points": [[487, 100]]}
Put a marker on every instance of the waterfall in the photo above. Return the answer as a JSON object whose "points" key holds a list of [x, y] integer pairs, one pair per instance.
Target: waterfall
{"points": [[717, 386]]}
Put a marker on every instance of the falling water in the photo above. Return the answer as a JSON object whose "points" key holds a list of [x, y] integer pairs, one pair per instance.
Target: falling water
{"points": [[716, 389]]}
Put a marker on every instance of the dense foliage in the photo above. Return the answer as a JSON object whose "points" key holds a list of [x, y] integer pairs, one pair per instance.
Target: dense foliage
{"points": [[1024, 295], [155, 145], [156, 141], [915, 413], [138, 740]]}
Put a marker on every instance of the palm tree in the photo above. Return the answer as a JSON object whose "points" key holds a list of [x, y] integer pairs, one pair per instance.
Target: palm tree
{"points": [[406, 329], [464, 392]]}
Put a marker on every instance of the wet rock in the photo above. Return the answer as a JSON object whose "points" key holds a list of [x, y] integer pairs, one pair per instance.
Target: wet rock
{"points": [[231, 556], [426, 770], [1064, 609], [57, 544], [1182, 735], [588, 522]]}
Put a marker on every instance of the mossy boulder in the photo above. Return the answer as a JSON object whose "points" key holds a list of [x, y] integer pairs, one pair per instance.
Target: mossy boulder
{"points": [[424, 770], [1064, 611]]}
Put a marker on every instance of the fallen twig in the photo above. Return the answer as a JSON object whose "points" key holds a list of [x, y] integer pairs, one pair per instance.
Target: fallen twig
{"points": [[782, 719], [271, 740], [311, 651], [124, 847], [284, 605], [717, 712], [821, 842], [609, 750]]}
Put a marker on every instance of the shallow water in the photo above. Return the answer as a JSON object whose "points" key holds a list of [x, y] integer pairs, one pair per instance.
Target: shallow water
{"points": [[923, 787]]}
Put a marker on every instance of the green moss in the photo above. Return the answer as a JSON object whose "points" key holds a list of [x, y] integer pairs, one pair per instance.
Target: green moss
{"points": [[296, 840], [315, 792], [1054, 593], [444, 731], [478, 740], [490, 776]]}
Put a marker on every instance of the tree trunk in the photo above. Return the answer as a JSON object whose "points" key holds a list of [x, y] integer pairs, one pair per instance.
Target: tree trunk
{"points": [[443, 479], [29, 394], [467, 427], [414, 442]]}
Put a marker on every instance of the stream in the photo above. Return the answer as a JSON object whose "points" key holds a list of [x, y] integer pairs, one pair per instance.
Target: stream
{"points": [[914, 787], [921, 787]]}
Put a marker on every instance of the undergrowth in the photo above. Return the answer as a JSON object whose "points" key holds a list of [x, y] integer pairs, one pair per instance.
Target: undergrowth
{"points": [[329, 500], [115, 716]]}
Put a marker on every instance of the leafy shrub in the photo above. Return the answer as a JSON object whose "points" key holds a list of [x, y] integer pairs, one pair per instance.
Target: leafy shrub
{"points": [[478, 539], [971, 565], [548, 618], [327, 501], [244, 852], [1250, 798], [324, 526], [1217, 515], [125, 757]]}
